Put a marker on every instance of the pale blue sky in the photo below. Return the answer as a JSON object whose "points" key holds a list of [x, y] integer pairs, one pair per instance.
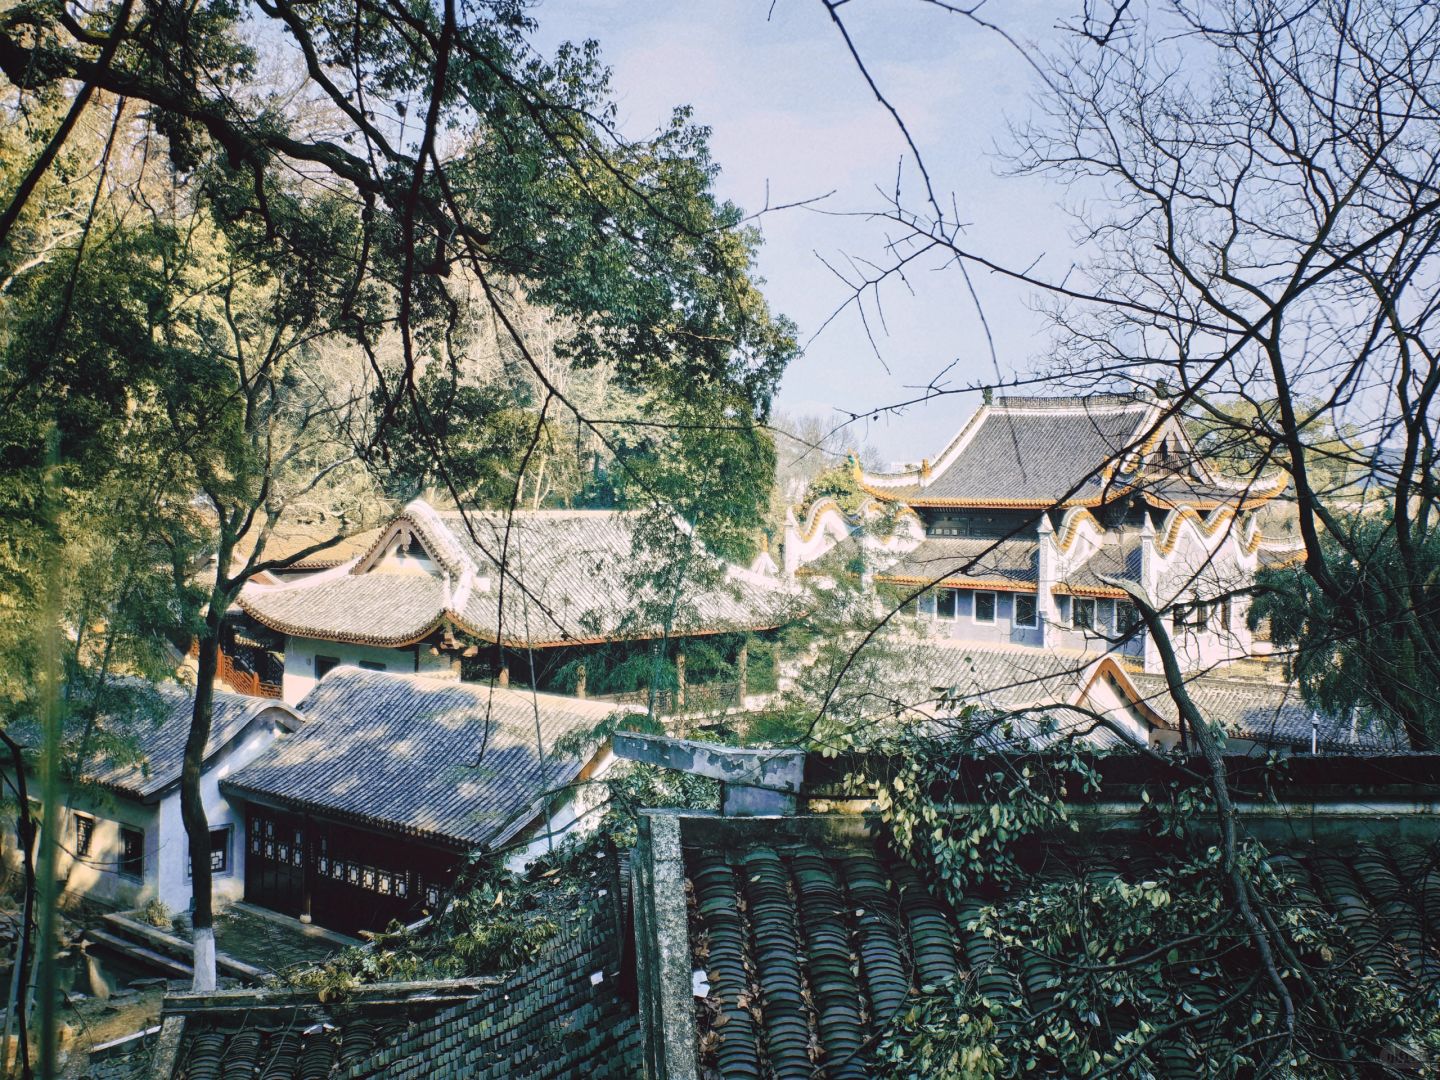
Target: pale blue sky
{"points": [[789, 110]]}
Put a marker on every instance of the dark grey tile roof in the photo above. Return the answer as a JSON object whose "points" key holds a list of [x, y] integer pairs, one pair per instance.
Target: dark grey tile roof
{"points": [[160, 747], [1112, 561], [809, 951], [292, 1035], [1266, 712], [566, 1015], [448, 761], [998, 676], [569, 576], [1034, 450], [1007, 697], [1170, 492], [1012, 562]]}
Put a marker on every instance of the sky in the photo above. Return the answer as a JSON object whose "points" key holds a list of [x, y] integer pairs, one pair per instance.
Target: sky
{"points": [[792, 119]]}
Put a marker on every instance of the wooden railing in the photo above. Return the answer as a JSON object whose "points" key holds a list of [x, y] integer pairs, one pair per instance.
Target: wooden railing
{"points": [[245, 682], [238, 679]]}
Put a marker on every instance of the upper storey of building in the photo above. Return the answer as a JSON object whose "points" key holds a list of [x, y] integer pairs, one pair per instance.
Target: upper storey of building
{"points": [[525, 579], [1032, 453]]}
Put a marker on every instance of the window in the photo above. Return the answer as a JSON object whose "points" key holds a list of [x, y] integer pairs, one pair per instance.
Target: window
{"points": [[219, 852], [985, 607], [1062, 609], [1227, 611], [132, 853], [1177, 618], [84, 833], [371, 665], [927, 604], [1024, 609], [945, 604], [1104, 615], [1127, 619], [324, 665], [1083, 613]]}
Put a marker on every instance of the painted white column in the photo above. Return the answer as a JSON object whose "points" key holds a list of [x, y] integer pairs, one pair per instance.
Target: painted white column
{"points": [[1150, 583], [1047, 572]]}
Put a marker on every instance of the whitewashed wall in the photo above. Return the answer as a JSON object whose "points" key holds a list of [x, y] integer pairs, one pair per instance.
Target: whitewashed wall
{"points": [[300, 656]]}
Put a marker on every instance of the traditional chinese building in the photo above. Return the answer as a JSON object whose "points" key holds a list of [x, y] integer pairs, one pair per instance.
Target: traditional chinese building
{"points": [[1043, 512], [366, 814], [553, 599], [123, 841]]}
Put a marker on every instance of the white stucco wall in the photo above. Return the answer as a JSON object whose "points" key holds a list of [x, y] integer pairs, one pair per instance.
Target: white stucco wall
{"points": [[97, 877], [173, 880], [572, 817], [300, 656]]}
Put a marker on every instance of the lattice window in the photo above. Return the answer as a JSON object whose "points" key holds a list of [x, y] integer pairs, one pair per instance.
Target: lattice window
{"points": [[132, 853]]}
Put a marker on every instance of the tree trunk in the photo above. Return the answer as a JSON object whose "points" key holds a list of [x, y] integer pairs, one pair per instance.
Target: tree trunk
{"points": [[19, 983], [192, 807], [742, 672]]}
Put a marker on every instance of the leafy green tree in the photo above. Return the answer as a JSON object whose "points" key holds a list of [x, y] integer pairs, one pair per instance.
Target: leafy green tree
{"points": [[264, 248], [1368, 648]]}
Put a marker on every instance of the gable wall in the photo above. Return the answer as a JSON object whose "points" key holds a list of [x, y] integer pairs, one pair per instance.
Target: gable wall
{"points": [[97, 877], [173, 881]]}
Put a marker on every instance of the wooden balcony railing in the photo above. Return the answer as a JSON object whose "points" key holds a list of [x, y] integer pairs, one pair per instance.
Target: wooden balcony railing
{"points": [[238, 679]]}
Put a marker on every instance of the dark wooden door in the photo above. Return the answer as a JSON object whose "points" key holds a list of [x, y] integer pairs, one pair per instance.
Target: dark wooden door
{"points": [[275, 860]]}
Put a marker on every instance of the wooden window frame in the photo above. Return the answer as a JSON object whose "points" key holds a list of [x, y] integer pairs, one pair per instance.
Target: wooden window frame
{"points": [[1127, 618], [227, 867], [954, 597], [131, 866]]}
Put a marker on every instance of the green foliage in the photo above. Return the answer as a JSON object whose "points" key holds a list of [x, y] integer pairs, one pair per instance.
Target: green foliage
{"points": [[839, 484], [1242, 438], [485, 430], [958, 850], [1136, 978], [494, 923], [1084, 960], [1373, 650], [852, 683]]}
